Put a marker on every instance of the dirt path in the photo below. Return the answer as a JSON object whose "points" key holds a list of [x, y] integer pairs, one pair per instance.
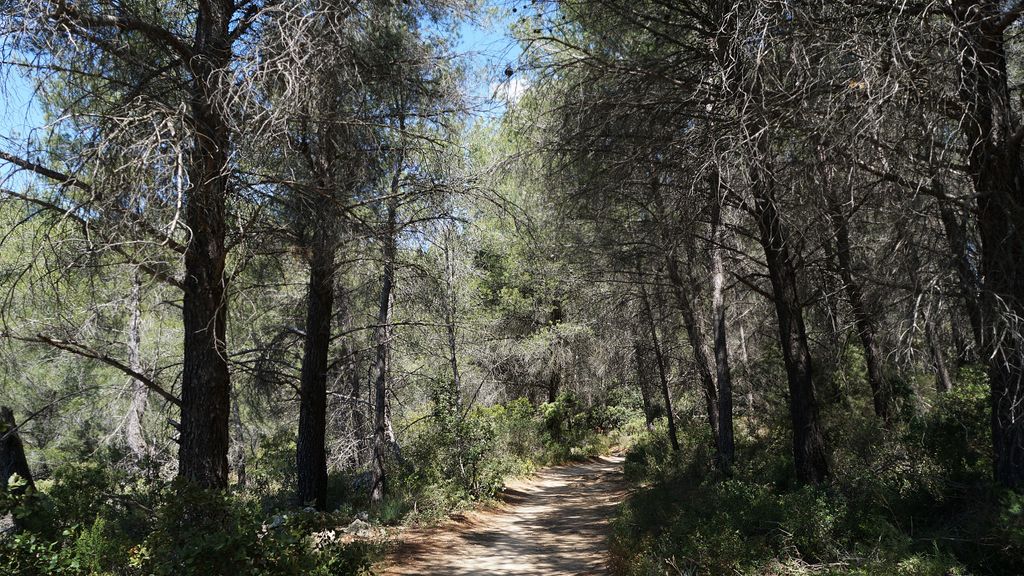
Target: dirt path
{"points": [[554, 523]]}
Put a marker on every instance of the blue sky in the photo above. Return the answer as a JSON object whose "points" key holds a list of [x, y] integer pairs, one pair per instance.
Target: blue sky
{"points": [[487, 44], [18, 113]]}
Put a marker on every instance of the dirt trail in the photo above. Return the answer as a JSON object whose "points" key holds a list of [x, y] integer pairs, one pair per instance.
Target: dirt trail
{"points": [[554, 523]]}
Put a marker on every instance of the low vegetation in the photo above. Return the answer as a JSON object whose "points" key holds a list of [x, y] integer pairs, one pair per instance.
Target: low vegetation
{"points": [[914, 500], [88, 519]]}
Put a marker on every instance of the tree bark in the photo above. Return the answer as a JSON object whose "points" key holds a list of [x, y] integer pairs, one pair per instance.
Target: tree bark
{"points": [[451, 316], [967, 276], [808, 443], [660, 361], [237, 454], [555, 379], [311, 449], [643, 385], [993, 133], [12, 454], [205, 385], [356, 408]]}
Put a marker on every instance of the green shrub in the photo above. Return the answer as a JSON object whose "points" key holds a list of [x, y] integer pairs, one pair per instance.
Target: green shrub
{"points": [[890, 509], [29, 554], [957, 431], [200, 532], [102, 547], [79, 492]]}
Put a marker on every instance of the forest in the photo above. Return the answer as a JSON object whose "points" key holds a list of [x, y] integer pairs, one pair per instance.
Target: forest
{"points": [[284, 283]]}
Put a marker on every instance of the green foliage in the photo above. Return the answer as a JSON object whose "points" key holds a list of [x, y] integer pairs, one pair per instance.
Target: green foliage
{"points": [[899, 503], [29, 554], [193, 532], [91, 519], [272, 474], [455, 457], [102, 547], [892, 508], [80, 492], [198, 529], [572, 431], [957, 431]]}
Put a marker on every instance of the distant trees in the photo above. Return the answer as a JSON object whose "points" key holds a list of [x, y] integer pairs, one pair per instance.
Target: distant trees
{"points": [[797, 114]]}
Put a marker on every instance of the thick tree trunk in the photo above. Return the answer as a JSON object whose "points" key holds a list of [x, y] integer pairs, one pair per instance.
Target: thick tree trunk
{"points": [[382, 335], [659, 359], [134, 434], [992, 131], [808, 444], [698, 343], [726, 441], [311, 449], [205, 384], [12, 454], [864, 321]]}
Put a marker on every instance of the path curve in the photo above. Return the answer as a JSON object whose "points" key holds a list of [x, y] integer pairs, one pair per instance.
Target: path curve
{"points": [[553, 523]]}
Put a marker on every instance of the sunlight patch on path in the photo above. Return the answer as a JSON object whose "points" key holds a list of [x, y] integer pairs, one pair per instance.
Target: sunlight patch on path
{"points": [[554, 523]]}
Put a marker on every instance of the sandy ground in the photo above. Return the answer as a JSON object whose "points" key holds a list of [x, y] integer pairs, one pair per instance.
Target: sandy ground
{"points": [[554, 523]]}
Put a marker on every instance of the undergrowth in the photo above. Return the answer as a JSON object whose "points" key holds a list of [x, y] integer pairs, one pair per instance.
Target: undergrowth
{"points": [[96, 520], [914, 500]]}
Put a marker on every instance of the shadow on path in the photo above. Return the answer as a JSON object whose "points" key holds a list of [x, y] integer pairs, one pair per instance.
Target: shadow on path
{"points": [[554, 523]]}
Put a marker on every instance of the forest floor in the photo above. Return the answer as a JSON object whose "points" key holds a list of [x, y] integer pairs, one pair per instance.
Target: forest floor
{"points": [[552, 523]]}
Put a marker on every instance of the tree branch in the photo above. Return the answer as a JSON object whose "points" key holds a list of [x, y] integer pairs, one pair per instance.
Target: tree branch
{"points": [[50, 206], [86, 352], [86, 187], [74, 15]]}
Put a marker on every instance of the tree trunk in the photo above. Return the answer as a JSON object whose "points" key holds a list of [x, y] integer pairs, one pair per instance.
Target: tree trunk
{"points": [[643, 384], [808, 443], [12, 454], [238, 456], [660, 361], [864, 321], [356, 409], [956, 236], [451, 317], [726, 441], [992, 131], [205, 383], [698, 343], [134, 434], [943, 383], [555, 379], [382, 335], [311, 449]]}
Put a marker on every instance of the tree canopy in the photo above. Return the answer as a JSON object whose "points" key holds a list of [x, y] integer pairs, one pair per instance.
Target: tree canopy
{"points": [[269, 268]]}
